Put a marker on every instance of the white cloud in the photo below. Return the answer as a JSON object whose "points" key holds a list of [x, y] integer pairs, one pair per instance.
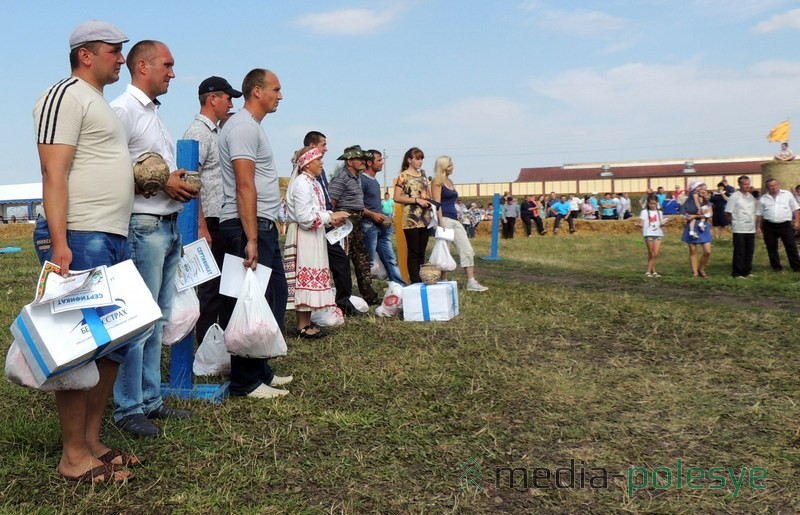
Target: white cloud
{"points": [[694, 87], [640, 110], [737, 10], [349, 22], [787, 20], [579, 22], [476, 115]]}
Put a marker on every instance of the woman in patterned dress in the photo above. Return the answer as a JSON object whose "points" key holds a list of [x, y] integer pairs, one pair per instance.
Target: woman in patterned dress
{"points": [[412, 189]]}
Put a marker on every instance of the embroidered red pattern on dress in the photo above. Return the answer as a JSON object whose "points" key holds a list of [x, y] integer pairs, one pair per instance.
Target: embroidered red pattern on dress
{"points": [[314, 278]]}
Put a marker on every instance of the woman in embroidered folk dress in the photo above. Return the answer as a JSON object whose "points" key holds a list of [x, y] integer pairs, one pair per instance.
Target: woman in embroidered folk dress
{"points": [[305, 256]]}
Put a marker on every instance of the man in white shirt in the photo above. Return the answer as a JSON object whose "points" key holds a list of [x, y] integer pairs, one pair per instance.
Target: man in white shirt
{"points": [[153, 236], [624, 209], [741, 212], [777, 219]]}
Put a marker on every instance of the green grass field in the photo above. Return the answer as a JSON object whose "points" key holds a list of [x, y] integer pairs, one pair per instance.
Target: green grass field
{"points": [[572, 355]]}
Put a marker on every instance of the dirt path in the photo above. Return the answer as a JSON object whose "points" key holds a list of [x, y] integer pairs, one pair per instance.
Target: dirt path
{"points": [[649, 289]]}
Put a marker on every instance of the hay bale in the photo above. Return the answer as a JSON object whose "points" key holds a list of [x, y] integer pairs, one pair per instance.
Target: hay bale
{"points": [[18, 230], [787, 173]]}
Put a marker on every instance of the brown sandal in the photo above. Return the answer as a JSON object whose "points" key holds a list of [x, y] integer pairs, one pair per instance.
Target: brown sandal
{"points": [[128, 459], [105, 471]]}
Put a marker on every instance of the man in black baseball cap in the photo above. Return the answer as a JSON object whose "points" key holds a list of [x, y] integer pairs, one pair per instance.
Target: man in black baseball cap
{"points": [[215, 95], [216, 84]]}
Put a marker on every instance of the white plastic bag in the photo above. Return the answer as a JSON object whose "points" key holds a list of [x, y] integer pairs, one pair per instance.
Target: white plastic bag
{"points": [[19, 373], [392, 304], [434, 217], [359, 304], [183, 317], [441, 258], [330, 317], [378, 271], [252, 331], [212, 358], [445, 234]]}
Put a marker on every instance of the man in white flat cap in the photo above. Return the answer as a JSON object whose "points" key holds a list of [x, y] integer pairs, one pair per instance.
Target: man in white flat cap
{"points": [[87, 188]]}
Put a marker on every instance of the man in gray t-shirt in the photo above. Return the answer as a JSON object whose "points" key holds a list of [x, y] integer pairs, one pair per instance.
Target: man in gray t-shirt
{"points": [[247, 222], [243, 138]]}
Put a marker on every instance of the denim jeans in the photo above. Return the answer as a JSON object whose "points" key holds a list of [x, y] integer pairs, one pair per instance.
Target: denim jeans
{"points": [[378, 241], [89, 249], [247, 374], [156, 250]]}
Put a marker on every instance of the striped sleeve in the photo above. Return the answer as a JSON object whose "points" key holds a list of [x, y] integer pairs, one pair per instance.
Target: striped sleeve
{"points": [[55, 116]]}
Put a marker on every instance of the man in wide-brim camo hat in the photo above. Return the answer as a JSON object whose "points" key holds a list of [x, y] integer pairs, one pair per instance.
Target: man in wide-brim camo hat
{"points": [[346, 194]]}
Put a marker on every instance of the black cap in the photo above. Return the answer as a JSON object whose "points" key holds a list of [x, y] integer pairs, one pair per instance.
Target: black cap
{"points": [[214, 83]]}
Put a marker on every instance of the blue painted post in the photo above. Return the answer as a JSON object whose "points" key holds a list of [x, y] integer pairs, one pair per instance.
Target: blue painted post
{"points": [[495, 228], [182, 353]]}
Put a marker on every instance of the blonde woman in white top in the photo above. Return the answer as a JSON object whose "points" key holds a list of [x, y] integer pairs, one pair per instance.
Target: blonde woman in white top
{"points": [[445, 194]]}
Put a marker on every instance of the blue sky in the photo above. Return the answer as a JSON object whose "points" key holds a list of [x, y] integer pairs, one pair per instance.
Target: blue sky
{"points": [[496, 85]]}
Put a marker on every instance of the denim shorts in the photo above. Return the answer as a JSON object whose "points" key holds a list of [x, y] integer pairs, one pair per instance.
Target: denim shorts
{"points": [[89, 248]]}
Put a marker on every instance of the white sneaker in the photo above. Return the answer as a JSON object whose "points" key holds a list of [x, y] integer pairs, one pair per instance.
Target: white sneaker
{"points": [[694, 235], [474, 285], [266, 392], [701, 226], [280, 380]]}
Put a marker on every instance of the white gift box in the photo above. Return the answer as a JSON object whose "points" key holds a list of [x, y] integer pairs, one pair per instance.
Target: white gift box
{"points": [[426, 302], [54, 344]]}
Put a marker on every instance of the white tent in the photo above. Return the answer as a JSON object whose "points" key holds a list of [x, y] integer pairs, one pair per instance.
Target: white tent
{"points": [[20, 200]]}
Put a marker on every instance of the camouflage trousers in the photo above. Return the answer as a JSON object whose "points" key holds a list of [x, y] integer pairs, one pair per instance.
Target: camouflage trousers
{"points": [[361, 261]]}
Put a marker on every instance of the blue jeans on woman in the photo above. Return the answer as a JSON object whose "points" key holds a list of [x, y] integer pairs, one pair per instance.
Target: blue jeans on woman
{"points": [[247, 374], [155, 245]]}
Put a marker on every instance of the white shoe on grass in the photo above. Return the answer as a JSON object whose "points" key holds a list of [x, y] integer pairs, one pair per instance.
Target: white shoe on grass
{"points": [[473, 285], [281, 380], [266, 392]]}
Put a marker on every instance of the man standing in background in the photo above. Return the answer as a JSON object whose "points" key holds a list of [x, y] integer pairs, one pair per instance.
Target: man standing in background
{"points": [[778, 220], [375, 225], [741, 212], [215, 95], [346, 194]]}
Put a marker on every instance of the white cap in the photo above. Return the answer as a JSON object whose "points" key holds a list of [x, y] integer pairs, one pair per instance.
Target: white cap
{"points": [[96, 30]]}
